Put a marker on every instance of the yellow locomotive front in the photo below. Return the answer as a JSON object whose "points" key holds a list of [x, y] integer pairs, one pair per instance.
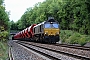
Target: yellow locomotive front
{"points": [[51, 31]]}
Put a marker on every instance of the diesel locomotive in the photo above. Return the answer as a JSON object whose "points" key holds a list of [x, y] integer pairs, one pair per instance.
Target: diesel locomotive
{"points": [[47, 31]]}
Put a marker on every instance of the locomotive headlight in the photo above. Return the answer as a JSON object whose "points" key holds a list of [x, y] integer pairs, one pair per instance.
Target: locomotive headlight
{"points": [[57, 33], [46, 33]]}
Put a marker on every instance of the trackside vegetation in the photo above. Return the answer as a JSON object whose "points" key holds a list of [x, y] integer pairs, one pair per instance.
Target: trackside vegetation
{"points": [[73, 37], [4, 31], [3, 51]]}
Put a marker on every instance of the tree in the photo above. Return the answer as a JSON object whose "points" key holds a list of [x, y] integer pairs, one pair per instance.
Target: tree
{"points": [[4, 22], [71, 14]]}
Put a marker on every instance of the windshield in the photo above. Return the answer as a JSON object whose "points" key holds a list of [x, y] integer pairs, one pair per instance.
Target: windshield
{"points": [[51, 26], [47, 25], [55, 25]]}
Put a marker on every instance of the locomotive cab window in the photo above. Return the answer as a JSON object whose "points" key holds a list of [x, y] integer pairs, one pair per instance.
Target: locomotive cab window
{"points": [[52, 25], [47, 25], [55, 25]]}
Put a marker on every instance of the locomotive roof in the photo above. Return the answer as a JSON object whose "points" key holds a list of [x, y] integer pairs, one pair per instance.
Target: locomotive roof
{"points": [[51, 19]]}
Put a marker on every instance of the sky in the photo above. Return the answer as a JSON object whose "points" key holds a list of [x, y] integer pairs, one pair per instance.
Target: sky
{"points": [[18, 7]]}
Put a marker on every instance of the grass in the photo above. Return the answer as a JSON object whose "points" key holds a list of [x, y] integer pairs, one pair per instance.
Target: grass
{"points": [[72, 37], [3, 51]]}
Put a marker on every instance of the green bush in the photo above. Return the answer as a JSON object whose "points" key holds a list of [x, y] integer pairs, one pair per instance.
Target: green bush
{"points": [[82, 41], [2, 46], [3, 51], [71, 37], [64, 35], [74, 38], [88, 38], [3, 34]]}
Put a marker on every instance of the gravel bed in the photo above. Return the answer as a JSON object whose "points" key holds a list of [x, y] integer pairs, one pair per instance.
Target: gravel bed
{"points": [[87, 44], [20, 53]]}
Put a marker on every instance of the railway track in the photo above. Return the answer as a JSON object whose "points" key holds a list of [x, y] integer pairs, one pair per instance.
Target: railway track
{"points": [[10, 54], [58, 51], [74, 46]]}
